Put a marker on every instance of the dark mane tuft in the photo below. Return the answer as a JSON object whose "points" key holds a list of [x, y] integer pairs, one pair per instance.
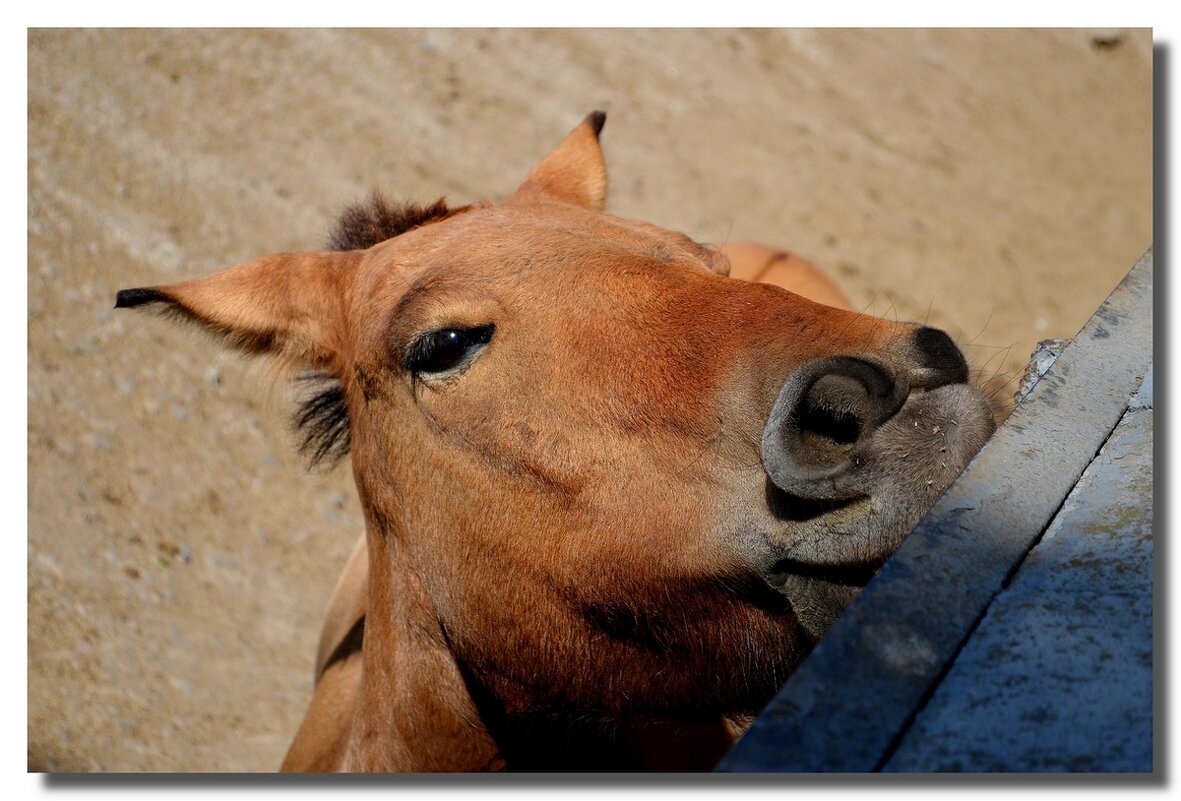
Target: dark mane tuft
{"points": [[362, 225]]}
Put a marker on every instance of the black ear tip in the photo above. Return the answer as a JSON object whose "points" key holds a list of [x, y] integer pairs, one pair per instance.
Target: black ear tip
{"points": [[596, 119], [129, 298]]}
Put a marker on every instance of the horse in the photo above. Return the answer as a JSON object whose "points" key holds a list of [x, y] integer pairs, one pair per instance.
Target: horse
{"points": [[612, 493]]}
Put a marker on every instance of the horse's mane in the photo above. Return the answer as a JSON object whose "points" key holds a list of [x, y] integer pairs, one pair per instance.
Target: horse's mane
{"points": [[376, 219], [321, 419]]}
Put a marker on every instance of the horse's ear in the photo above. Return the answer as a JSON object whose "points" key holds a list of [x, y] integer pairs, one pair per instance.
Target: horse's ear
{"points": [[575, 172], [290, 305]]}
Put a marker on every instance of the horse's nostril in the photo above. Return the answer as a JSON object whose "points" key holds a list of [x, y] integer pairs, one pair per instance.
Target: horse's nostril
{"points": [[823, 411], [938, 353], [839, 426], [834, 408]]}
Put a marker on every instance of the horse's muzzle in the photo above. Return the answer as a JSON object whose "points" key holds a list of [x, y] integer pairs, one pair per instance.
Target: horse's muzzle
{"points": [[855, 452], [830, 414]]}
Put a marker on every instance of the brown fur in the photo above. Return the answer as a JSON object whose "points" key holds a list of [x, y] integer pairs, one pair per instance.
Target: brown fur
{"points": [[753, 262], [346, 610], [571, 556]]}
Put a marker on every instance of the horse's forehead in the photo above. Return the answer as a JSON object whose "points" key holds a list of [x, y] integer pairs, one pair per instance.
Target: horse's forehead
{"points": [[509, 243]]}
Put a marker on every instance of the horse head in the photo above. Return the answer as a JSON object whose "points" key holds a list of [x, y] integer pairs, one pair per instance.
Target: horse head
{"points": [[603, 483]]}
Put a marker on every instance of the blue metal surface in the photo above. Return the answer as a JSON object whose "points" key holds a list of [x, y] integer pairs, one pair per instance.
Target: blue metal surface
{"points": [[1058, 676]]}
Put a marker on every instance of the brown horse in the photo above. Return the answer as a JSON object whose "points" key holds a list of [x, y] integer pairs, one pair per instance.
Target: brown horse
{"points": [[612, 496]]}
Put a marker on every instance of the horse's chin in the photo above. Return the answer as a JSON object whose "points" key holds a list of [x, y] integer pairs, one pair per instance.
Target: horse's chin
{"points": [[819, 582], [829, 545]]}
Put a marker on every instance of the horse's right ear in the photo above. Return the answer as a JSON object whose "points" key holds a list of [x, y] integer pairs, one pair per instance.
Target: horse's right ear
{"points": [[290, 305], [575, 172]]}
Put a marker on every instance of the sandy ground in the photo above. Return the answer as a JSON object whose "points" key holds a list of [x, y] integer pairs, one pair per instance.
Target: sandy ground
{"points": [[997, 184]]}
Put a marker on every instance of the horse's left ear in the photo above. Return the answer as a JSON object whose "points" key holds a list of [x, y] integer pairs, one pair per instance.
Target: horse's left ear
{"points": [[575, 172], [289, 306]]}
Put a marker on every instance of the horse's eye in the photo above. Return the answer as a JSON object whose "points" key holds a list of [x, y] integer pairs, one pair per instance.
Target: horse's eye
{"points": [[445, 349]]}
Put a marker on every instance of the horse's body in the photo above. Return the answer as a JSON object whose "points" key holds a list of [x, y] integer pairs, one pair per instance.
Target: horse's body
{"points": [[611, 495]]}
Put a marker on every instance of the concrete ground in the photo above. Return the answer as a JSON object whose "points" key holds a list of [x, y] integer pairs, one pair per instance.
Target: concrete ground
{"points": [[994, 183]]}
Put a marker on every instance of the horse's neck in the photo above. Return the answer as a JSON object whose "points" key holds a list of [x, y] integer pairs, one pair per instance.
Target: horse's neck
{"points": [[413, 712], [417, 709]]}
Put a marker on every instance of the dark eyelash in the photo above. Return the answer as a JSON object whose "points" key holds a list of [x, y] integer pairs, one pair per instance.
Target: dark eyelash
{"points": [[423, 349]]}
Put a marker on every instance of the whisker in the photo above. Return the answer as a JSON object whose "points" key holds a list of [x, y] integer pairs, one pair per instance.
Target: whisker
{"points": [[983, 328]]}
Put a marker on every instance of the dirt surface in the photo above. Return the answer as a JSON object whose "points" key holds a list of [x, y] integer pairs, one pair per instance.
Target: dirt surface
{"points": [[997, 184]]}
